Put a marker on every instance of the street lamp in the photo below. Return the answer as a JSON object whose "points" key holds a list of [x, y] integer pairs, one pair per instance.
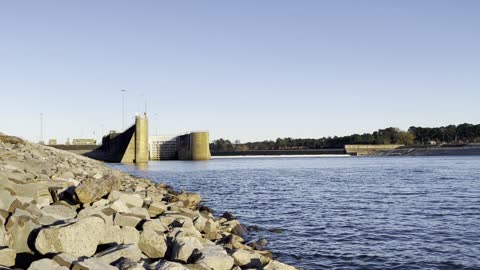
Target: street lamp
{"points": [[123, 108], [41, 128], [156, 116]]}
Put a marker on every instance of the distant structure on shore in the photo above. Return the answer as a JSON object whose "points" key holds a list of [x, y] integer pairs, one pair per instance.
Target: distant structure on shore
{"points": [[84, 142], [368, 149], [135, 146], [75, 142], [190, 146]]}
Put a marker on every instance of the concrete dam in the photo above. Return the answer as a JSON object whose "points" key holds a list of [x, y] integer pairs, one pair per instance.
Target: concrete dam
{"points": [[135, 146]]}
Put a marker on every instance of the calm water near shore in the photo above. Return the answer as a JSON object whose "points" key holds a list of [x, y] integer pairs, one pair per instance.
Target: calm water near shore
{"points": [[345, 213]]}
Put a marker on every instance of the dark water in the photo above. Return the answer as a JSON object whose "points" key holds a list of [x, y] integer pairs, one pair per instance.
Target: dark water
{"points": [[346, 213]]}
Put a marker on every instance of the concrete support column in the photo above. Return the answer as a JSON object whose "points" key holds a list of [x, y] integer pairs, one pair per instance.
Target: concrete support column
{"points": [[141, 139]]}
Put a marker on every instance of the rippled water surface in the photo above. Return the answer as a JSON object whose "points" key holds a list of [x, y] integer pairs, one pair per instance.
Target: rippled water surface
{"points": [[345, 213]]}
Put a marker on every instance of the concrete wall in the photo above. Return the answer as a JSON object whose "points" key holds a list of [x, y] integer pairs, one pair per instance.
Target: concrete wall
{"points": [[129, 154], [130, 146], [116, 147], [194, 146], [365, 149]]}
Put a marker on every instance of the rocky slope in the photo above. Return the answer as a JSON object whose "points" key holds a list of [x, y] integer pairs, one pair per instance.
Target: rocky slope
{"points": [[63, 211]]}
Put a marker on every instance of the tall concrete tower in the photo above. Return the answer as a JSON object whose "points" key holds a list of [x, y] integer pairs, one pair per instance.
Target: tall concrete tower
{"points": [[141, 139], [200, 146]]}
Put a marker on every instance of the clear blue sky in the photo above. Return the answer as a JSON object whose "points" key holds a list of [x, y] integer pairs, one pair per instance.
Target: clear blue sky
{"points": [[248, 70]]}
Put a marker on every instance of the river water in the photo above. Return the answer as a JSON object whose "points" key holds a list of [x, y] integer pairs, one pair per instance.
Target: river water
{"points": [[345, 212]]}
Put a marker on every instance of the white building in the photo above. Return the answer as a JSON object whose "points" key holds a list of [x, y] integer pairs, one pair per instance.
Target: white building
{"points": [[163, 147]]}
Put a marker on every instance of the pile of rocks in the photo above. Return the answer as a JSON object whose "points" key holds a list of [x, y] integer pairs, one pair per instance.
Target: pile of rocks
{"points": [[62, 211]]}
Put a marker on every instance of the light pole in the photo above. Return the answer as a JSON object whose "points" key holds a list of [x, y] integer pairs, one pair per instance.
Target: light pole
{"points": [[41, 128], [123, 108], [156, 116]]}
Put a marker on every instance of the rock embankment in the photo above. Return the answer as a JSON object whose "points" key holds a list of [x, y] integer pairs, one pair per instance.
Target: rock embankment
{"points": [[62, 211]]}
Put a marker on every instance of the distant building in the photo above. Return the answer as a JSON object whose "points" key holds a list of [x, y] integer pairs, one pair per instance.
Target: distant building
{"points": [[52, 142], [84, 142], [190, 146], [68, 141]]}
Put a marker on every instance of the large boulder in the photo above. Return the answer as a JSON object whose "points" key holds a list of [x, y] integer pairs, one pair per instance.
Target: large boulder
{"points": [[166, 265], [44, 264], [216, 258], [184, 247], [155, 225], [211, 230], [20, 228], [114, 253], [199, 222], [130, 199], [189, 200], [65, 259], [102, 212], [156, 208], [93, 264], [8, 202], [59, 212], [249, 259], [91, 190], [127, 264], [79, 238], [7, 257], [152, 244], [126, 220], [120, 207], [120, 235], [276, 265], [5, 237]]}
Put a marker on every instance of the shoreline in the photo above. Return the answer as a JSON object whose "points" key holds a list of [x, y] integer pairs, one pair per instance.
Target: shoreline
{"points": [[60, 210]]}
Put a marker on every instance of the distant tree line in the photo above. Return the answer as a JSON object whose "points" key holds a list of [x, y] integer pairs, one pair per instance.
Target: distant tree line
{"points": [[463, 133]]}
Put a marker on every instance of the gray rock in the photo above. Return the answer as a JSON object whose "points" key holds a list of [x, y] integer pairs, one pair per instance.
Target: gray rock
{"points": [[152, 244], [126, 220], [155, 225], [166, 265], [120, 207], [93, 264], [211, 230], [139, 212], [185, 232], [78, 239], [102, 212], [276, 265], [119, 235], [190, 200], [114, 253], [20, 228], [216, 258], [127, 264], [156, 208], [130, 199], [5, 238], [183, 248], [249, 259], [44, 264], [8, 203], [65, 259], [59, 212], [199, 222], [91, 190], [7, 257], [101, 202]]}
